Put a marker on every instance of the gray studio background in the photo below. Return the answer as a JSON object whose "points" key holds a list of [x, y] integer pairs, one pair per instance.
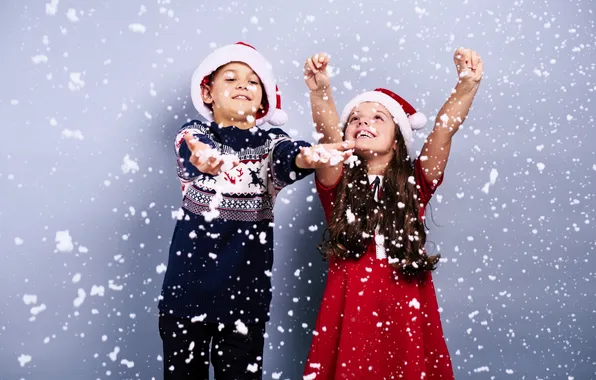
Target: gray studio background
{"points": [[91, 96]]}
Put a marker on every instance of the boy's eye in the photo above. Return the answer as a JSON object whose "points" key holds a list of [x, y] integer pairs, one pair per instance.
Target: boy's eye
{"points": [[230, 79], [379, 117], [353, 119]]}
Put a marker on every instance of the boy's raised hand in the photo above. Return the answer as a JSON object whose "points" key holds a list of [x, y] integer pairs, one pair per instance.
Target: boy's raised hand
{"points": [[206, 159], [315, 72], [324, 155], [469, 66]]}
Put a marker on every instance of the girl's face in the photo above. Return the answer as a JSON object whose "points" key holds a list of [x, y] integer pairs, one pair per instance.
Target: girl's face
{"points": [[371, 126], [236, 91]]}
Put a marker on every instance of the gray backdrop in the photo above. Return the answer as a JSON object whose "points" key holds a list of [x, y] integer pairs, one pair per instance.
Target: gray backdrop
{"points": [[92, 93]]}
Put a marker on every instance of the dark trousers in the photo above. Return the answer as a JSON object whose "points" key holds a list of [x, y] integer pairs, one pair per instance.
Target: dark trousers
{"points": [[189, 347]]}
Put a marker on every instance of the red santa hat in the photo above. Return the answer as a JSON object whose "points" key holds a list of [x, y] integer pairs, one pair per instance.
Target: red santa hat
{"points": [[240, 52], [404, 115]]}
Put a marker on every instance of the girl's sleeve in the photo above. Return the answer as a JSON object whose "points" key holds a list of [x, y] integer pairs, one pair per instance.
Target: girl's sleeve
{"points": [[327, 195], [426, 188]]}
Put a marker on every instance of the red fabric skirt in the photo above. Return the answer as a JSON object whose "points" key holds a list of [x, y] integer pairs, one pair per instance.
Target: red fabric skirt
{"points": [[376, 323]]}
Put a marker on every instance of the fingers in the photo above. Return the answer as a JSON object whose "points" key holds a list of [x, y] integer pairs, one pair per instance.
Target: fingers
{"points": [[309, 66], [306, 157], [191, 141], [479, 67], [310, 73], [326, 155], [321, 60], [212, 165], [318, 62], [215, 166], [207, 161], [463, 60], [460, 58], [338, 157], [349, 144], [324, 58], [194, 144], [474, 60], [341, 146], [469, 64], [315, 72], [466, 58]]}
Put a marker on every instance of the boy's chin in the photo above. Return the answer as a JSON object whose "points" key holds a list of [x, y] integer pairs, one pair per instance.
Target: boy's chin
{"points": [[243, 116], [243, 108]]}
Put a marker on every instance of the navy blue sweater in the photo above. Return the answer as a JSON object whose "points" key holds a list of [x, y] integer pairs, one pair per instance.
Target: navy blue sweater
{"points": [[219, 270]]}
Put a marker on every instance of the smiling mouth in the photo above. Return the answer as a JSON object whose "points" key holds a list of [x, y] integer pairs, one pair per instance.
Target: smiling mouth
{"points": [[241, 97], [364, 135]]}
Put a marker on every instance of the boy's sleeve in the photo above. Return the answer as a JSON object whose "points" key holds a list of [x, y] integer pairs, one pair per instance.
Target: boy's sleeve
{"points": [[187, 172], [283, 161]]}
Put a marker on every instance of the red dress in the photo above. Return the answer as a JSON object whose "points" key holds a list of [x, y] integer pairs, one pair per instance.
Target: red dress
{"points": [[374, 326]]}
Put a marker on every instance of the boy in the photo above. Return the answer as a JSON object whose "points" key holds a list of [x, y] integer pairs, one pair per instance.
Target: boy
{"points": [[217, 288]]}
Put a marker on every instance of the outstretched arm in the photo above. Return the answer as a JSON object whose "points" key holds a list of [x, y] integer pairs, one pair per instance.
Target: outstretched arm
{"points": [[293, 160], [451, 116], [197, 153], [324, 112]]}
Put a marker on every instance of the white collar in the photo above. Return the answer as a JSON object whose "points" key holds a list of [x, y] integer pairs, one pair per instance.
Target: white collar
{"points": [[372, 177]]}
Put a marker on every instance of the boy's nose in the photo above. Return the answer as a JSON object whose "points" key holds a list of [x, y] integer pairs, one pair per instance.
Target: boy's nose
{"points": [[363, 122]]}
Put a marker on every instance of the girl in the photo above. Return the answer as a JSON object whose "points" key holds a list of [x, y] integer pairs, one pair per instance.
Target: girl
{"points": [[379, 317]]}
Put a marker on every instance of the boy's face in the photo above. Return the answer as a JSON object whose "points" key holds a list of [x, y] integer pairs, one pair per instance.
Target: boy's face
{"points": [[236, 93]]}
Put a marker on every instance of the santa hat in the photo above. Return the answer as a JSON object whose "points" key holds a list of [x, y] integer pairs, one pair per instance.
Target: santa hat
{"points": [[404, 115], [240, 52]]}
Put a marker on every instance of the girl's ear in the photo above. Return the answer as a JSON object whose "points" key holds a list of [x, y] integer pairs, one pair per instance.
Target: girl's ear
{"points": [[206, 95]]}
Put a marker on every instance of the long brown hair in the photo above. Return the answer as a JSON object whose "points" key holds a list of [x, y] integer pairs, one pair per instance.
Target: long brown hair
{"points": [[395, 213]]}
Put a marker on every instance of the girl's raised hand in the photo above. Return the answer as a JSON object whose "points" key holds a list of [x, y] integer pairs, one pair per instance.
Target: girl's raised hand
{"points": [[315, 72], [469, 66]]}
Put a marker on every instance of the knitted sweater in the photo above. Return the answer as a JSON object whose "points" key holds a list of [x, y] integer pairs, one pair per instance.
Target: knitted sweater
{"points": [[221, 254]]}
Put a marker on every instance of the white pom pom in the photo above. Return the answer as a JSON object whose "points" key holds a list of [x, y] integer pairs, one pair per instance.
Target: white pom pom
{"points": [[278, 118], [417, 121]]}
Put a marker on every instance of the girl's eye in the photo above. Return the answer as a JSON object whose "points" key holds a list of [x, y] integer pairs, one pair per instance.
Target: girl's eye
{"points": [[353, 119], [379, 117], [230, 79], [254, 82]]}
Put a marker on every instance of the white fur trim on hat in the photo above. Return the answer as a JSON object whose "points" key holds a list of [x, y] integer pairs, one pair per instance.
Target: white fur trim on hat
{"points": [[417, 121], [399, 116], [279, 117], [249, 56]]}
